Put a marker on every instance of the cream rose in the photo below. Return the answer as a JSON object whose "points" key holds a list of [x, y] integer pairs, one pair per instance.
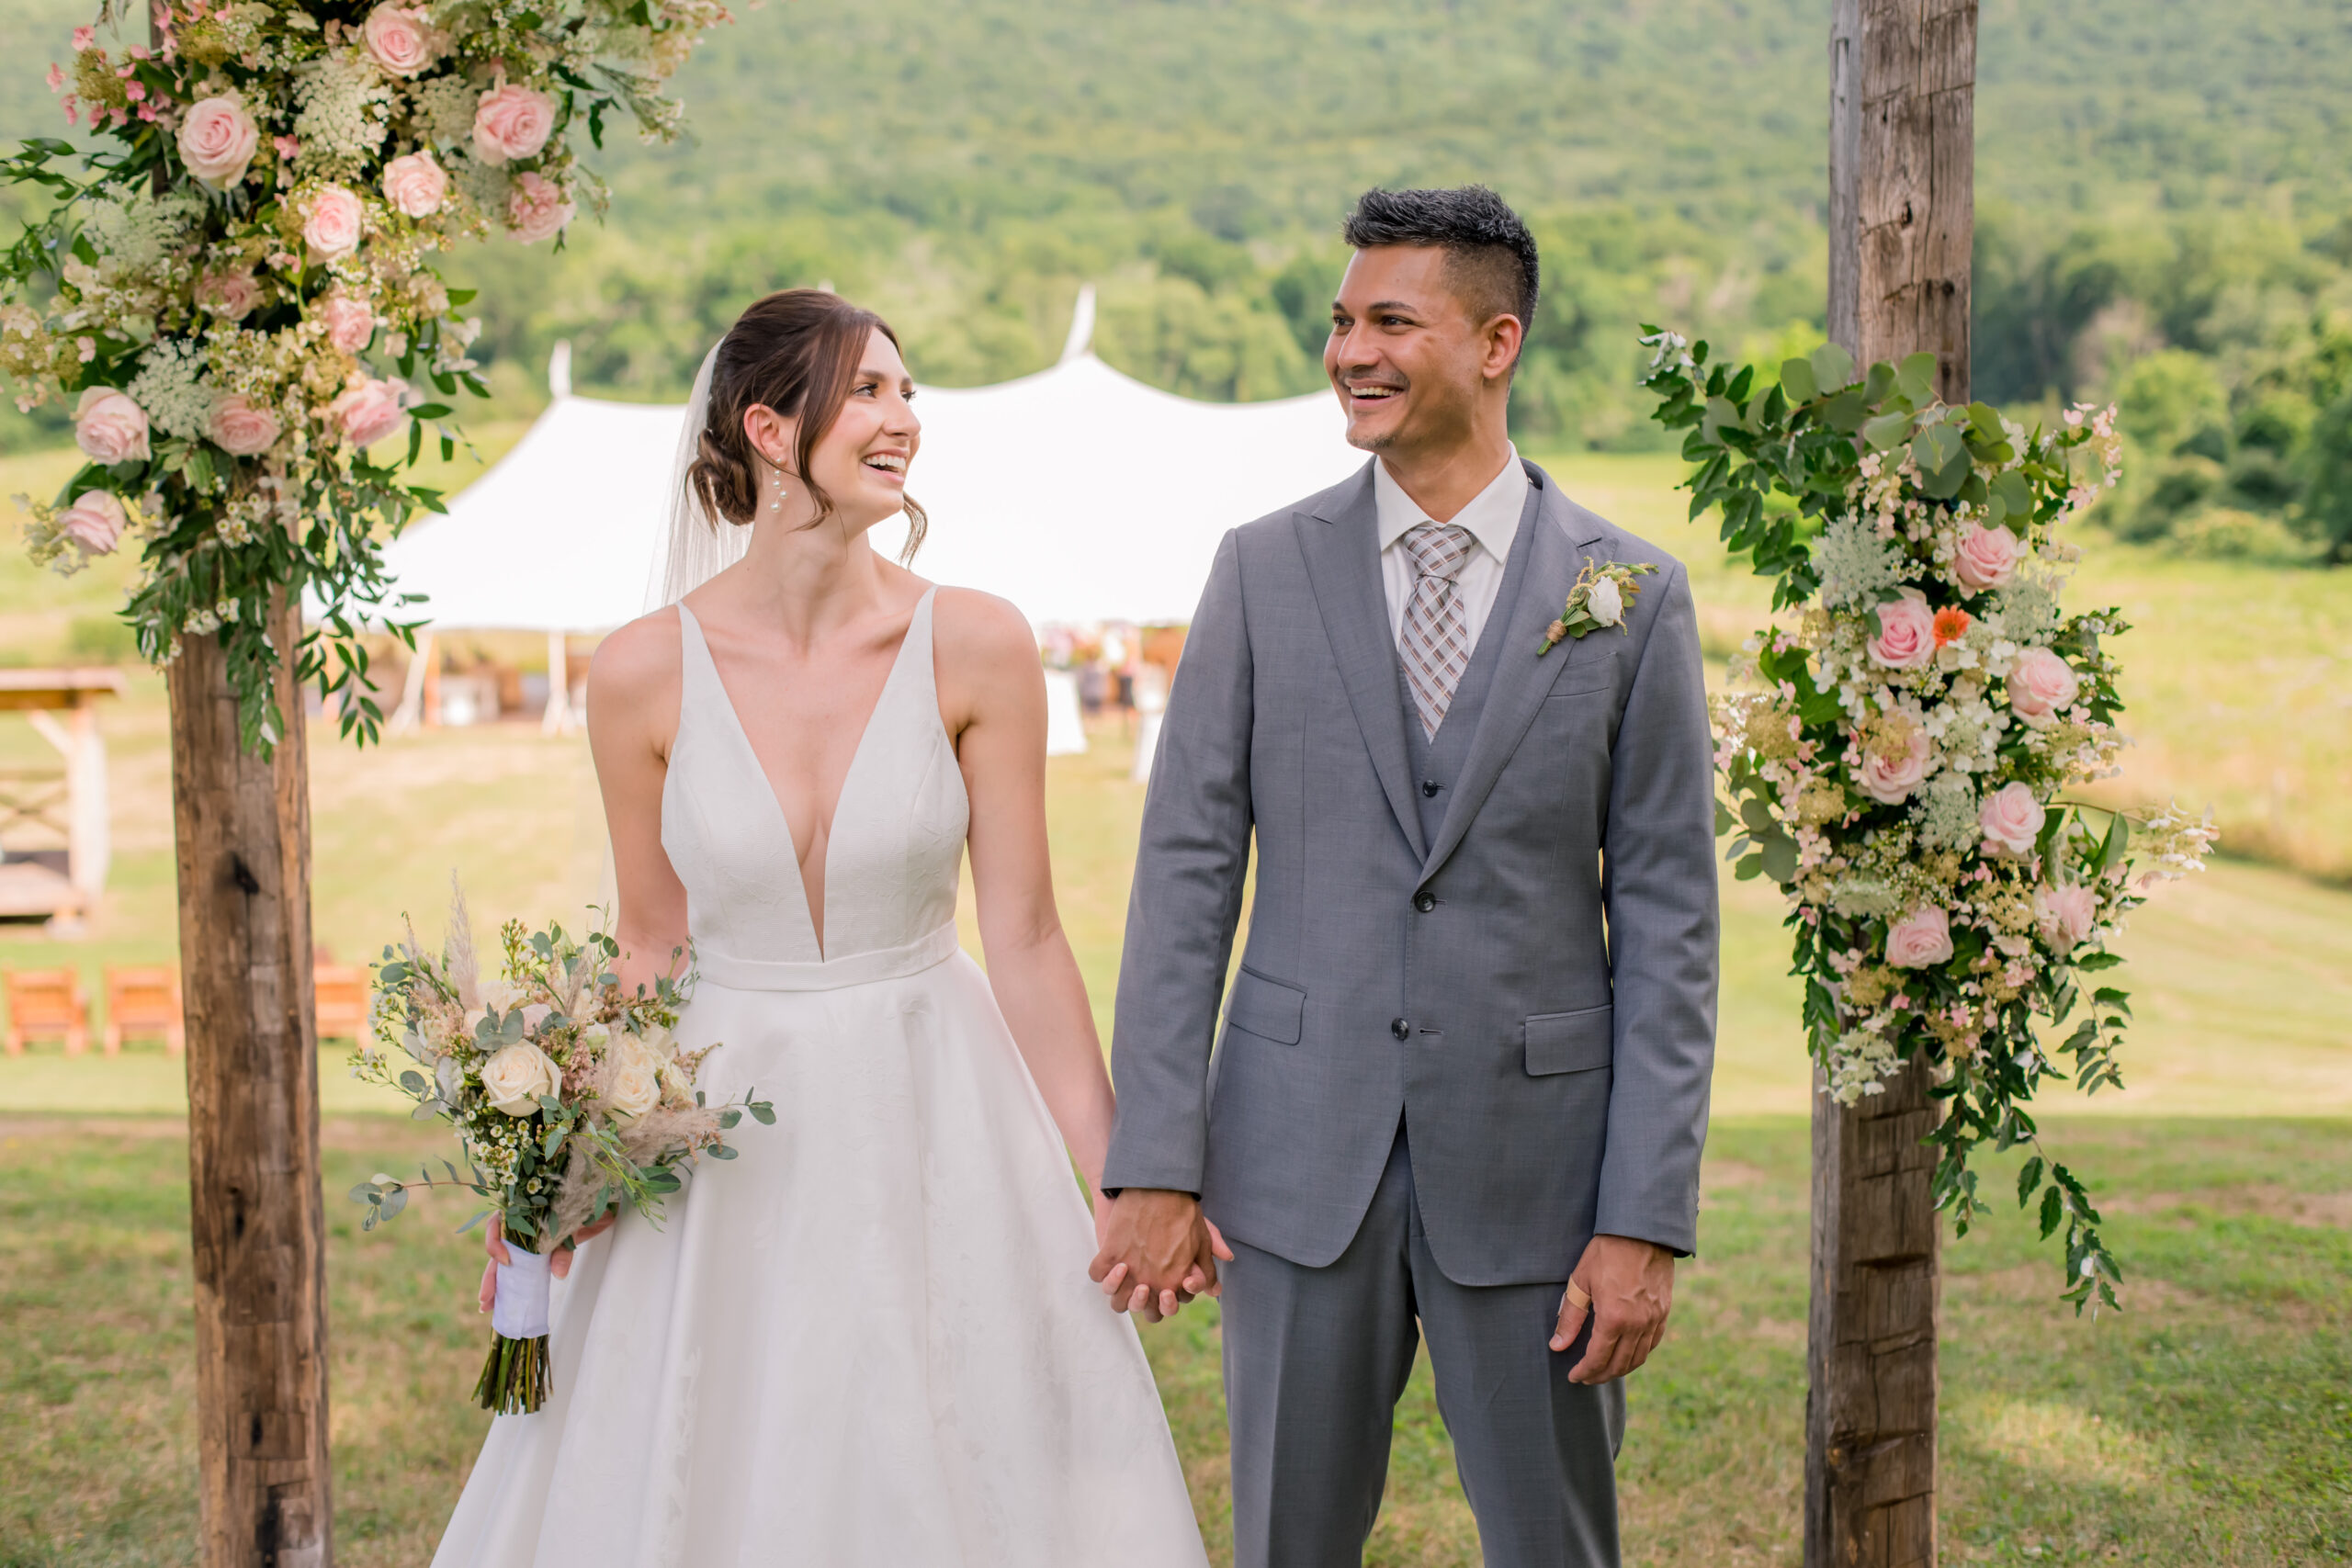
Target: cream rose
{"points": [[1605, 602], [511, 121], [241, 430], [401, 39], [514, 1079], [350, 323], [2040, 683], [232, 295], [95, 522], [108, 427], [332, 227], [1891, 780], [415, 184], [368, 410], [536, 209], [1907, 633], [2012, 819], [632, 1081], [2066, 913], [1919, 938], [1986, 557], [217, 140]]}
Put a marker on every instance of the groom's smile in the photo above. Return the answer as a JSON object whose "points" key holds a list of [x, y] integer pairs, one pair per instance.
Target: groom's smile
{"points": [[1404, 356]]}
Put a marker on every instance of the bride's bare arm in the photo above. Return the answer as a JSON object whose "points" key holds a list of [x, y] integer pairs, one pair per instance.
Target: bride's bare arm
{"points": [[632, 718], [993, 697]]}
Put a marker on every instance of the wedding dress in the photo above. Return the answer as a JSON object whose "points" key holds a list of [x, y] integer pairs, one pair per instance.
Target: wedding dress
{"points": [[870, 1341]]}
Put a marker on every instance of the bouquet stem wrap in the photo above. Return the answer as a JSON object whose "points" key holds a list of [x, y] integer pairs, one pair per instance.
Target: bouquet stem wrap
{"points": [[515, 1378]]}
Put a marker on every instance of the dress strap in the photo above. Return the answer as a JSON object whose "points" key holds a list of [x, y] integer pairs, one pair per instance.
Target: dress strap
{"points": [[698, 682]]}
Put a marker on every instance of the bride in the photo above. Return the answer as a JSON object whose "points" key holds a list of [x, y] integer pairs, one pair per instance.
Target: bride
{"points": [[871, 1340]]}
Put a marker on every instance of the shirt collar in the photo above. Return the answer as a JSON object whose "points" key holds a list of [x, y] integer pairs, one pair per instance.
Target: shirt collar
{"points": [[1492, 515]]}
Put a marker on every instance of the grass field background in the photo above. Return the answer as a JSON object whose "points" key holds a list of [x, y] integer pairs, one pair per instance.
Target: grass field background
{"points": [[2209, 1424]]}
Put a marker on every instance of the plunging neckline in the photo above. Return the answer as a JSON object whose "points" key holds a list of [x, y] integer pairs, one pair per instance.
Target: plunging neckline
{"points": [[819, 919]]}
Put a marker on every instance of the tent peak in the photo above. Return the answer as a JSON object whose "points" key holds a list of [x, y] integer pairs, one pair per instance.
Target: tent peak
{"points": [[1081, 341]]}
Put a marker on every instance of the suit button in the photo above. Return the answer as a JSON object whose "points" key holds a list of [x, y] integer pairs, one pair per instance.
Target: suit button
{"points": [[1399, 1027], [1424, 902], [1430, 788]]}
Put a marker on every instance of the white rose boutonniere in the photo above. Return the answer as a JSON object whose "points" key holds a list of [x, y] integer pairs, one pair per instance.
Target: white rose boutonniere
{"points": [[1604, 592]]}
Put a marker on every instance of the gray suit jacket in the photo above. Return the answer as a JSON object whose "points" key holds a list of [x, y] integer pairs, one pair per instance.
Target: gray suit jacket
{"points": [[1531, 992]]}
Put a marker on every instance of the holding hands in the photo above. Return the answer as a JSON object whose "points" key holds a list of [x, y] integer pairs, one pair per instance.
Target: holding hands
{"points": [[1157, 1251]]}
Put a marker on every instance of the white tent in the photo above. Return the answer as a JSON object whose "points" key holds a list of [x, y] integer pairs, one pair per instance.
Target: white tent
{"points": [[1079, 493]]}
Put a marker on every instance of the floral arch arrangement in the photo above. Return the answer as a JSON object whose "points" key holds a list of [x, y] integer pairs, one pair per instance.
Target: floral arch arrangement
{"points": [[1898, 759], [239, 289]]}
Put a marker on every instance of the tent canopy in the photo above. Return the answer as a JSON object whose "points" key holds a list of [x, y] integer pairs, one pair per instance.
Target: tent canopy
{"points": [[1077, 493]]}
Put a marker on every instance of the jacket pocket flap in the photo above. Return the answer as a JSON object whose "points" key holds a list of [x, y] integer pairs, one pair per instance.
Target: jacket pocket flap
{"points": [[1267, 1009], [1583, 677], [1570, 1042]]}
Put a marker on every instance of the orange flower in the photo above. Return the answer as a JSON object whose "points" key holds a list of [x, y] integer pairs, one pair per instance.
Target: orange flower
{"points": [[1951, 625]]}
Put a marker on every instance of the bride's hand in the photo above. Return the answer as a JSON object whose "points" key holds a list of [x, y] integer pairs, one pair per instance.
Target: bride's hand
{"points": [[494, 1244]]}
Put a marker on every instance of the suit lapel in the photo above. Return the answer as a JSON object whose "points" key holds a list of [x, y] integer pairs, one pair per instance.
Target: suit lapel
{"points": [[1340, 544], [1547, 555]]}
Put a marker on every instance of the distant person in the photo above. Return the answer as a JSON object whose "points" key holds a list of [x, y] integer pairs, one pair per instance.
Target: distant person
{"points": [[870, 1341], [1462, 1083]]}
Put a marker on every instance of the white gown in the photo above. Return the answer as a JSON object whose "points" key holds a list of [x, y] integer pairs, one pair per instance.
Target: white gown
{"points": [[869, 1341]]}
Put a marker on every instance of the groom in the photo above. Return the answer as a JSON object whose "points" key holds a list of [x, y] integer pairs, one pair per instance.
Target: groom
{"points": [[1460, 1085]]}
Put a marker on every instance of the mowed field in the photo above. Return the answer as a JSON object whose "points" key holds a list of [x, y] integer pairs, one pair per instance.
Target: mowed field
{"points": [[2210, 1423]]}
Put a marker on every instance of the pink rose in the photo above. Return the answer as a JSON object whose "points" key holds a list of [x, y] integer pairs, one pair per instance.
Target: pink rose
{"points": [[108, 427], [401, 41], [511, 121], [415, 184], [218, 140], [2066, 914], [95, 522], [2012, 819], [332, 229], [232, 295], [368, 410], [1891, 781], [1987, 557], [536, 209], [1907, 633], [350, 323], [241, 430], [1919, 938], [2039, 684]]}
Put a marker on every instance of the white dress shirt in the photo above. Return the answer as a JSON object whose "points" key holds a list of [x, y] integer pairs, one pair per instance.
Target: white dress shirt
{"points": [[1492, 517]]}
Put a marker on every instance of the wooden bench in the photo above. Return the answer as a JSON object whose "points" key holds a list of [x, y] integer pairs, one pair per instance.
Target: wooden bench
{"points": [[341, 1001], [47, 1004], [144, 1003]]}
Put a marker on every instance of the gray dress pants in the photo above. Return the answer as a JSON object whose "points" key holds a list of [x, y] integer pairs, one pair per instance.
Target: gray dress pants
{"points": [[1316, 1360]]}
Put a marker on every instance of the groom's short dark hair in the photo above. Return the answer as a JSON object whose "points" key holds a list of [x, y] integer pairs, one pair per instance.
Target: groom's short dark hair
{"points": [[1490, 255]]}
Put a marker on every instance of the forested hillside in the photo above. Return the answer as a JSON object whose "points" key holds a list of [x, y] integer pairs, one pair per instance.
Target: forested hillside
{"points": [[2160, 181]]}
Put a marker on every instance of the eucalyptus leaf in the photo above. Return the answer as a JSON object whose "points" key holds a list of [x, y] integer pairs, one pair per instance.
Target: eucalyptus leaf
{"points": [[1887, 430], [1798, 382], [1916, 377], [1832, 366]]}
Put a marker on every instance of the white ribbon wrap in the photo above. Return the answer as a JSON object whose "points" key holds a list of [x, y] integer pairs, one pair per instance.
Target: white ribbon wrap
{"points": [[520, 1312]]}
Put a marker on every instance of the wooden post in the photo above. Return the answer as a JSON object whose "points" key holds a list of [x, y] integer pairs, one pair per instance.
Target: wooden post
{"points": [[256, 1207], [1902, 219]]}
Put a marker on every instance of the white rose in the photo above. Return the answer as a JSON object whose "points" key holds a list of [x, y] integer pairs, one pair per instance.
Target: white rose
{"points": [[514, 1079], [633, 1082], [500, 995], [1603, 603]]}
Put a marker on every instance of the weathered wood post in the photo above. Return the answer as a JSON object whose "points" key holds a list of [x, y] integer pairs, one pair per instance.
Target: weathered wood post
{"points": [[255, 1212], [1902, 219]]}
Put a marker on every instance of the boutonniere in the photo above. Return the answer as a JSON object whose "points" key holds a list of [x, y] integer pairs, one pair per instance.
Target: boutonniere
{"points": [[1602, 594]]}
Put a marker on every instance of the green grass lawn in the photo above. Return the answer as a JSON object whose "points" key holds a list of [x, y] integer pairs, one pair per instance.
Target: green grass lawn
{"points": [[2209, 1424]]}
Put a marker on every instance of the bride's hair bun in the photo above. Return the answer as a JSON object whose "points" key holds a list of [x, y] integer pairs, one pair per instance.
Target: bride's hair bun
{"points": [[795, 352]]}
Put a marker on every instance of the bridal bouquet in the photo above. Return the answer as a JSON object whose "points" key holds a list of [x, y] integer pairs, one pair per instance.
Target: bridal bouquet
{"points": [[568, 1093], [1898, 757], [236, 284]]}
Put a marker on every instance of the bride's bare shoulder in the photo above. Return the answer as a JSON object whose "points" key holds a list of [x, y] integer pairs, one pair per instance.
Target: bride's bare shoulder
{"points": [[639, 662], [973, 628]]}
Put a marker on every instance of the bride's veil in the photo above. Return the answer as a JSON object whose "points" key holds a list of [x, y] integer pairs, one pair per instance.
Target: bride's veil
{"points": [[694, 547]]}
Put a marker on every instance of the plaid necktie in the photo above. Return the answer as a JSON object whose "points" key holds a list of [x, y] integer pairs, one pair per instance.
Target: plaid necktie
{"points": [[1435, 644]]}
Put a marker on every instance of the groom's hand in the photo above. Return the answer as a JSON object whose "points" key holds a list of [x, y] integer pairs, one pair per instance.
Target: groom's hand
{"points": [[1158, 1252], [1628, 1288]]}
